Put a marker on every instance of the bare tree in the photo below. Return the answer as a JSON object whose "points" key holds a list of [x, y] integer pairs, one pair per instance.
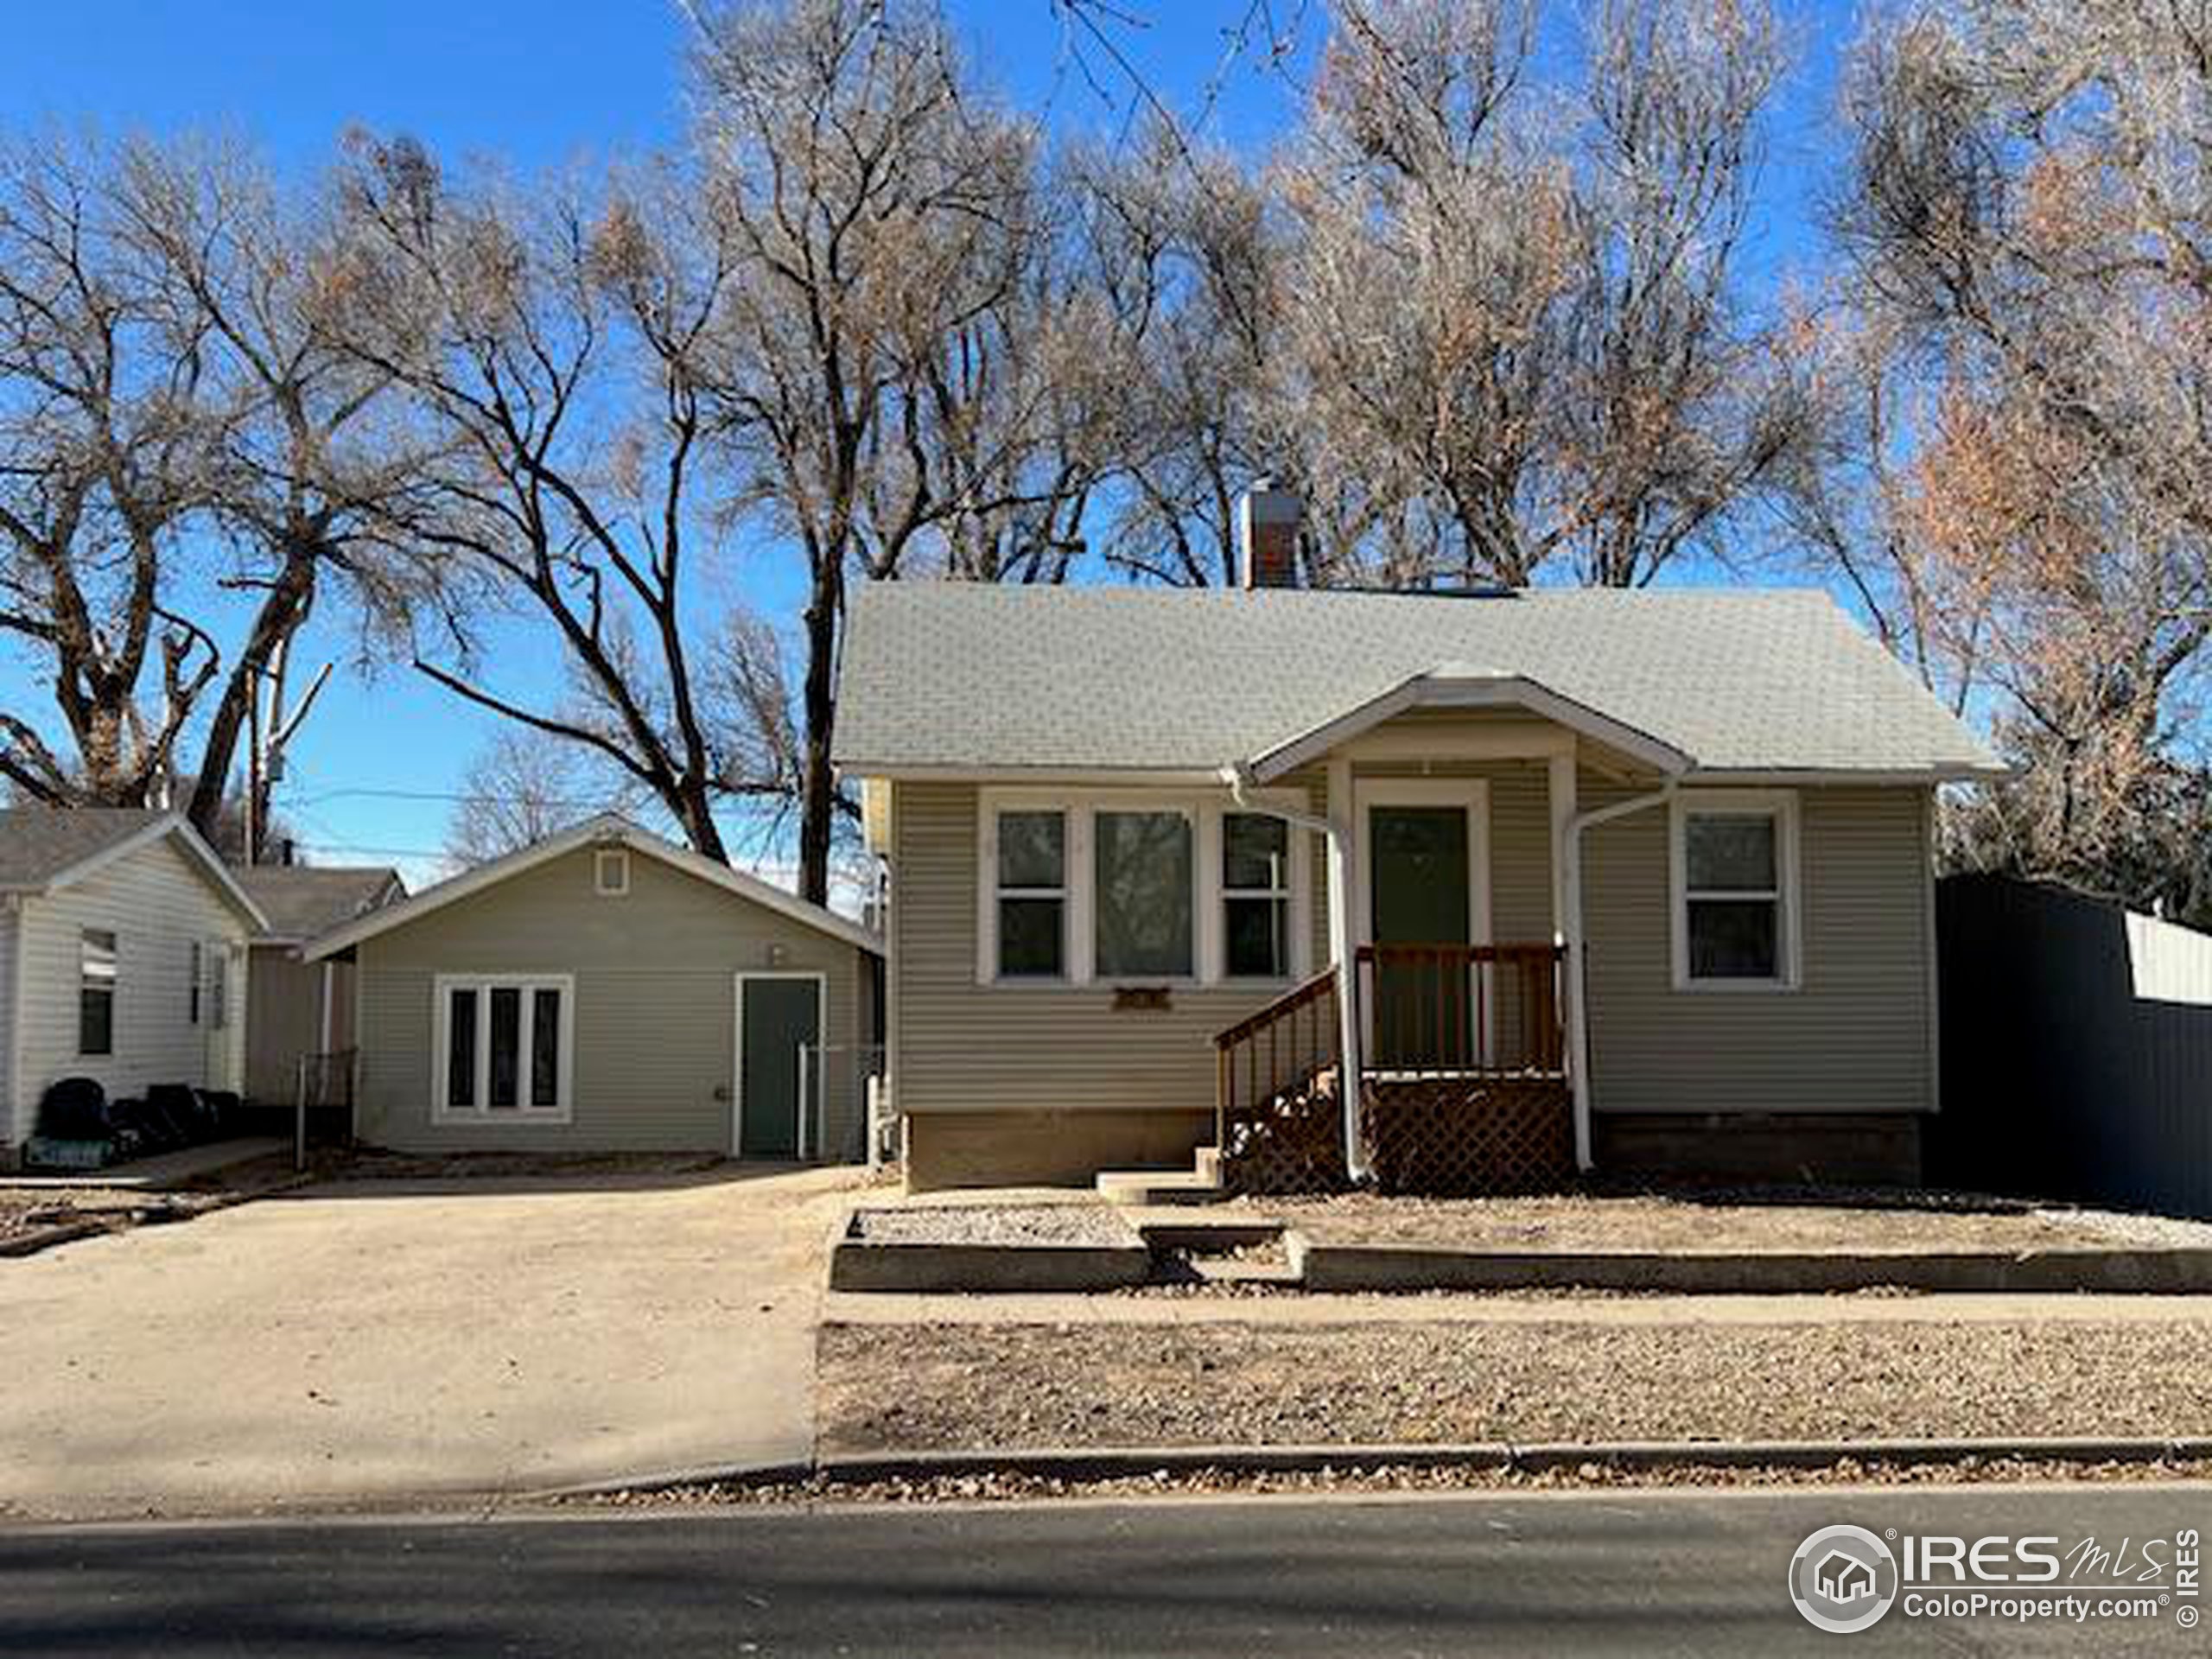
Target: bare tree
{"points": [[555, 346], [901, 385], [2030, 224], [104, 447], [524, 785], [1513, 328]]}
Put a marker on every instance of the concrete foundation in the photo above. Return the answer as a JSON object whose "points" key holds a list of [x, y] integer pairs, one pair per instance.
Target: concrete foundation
{"points": [[1858, 1149], [946, 1149]]}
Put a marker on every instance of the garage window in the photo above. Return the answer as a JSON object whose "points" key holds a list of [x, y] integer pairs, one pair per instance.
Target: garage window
{"points": [[503, 1048]]}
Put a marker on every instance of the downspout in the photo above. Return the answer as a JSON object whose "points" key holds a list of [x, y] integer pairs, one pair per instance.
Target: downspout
{"points": [[1239, 782], [1577, 1017]]}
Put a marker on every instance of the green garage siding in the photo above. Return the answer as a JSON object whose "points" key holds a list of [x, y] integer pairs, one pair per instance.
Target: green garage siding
{"points": [[655, 975]]}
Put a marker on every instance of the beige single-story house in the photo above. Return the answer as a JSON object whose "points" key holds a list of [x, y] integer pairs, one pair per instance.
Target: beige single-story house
{"points": [[1614, 880], [605, 990], [297, 1009], [123, 958]]}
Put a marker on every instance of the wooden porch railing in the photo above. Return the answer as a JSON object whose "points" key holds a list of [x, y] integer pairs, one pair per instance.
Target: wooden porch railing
{"points": [[1460, 1010], [1285, 1046]]}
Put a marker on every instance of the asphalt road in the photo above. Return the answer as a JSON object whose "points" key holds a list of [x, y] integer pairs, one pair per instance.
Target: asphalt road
{"points": [[1700, 1573]]}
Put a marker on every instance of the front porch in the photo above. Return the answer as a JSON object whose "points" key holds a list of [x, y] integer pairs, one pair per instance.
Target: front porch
{"points": [[1465, 1091]]}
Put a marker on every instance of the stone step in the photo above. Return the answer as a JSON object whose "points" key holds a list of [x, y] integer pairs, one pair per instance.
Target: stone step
{"points": [[1207, 1161], [1201, 1234], [1148, 1186], [1246, 1273]]}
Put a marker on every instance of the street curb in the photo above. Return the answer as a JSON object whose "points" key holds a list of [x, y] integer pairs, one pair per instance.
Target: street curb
{"points": [[1111, 1463]]}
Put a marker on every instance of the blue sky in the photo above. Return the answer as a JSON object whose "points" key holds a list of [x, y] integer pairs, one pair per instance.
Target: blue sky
{"points": [[548, 84]]}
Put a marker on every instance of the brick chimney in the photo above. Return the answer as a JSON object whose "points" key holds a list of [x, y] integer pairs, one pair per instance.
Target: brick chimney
{"points": [[1267, 536]]}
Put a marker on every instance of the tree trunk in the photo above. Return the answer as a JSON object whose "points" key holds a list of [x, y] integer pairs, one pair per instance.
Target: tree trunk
{"points": [[280, 617], [818, 786]]}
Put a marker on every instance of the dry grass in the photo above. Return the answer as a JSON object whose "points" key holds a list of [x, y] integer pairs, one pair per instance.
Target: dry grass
{"points": [[914, 1386], [1580, 1223]]}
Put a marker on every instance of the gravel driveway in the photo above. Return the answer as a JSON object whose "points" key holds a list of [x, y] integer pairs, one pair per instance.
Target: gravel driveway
{"points": [[978, 1385]]}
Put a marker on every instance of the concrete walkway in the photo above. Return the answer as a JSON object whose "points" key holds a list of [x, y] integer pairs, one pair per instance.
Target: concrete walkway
{"points": [[378, 1340], [1310, 1309]]}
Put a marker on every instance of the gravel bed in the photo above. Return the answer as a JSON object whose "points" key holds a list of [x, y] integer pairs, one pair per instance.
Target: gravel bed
{"points": [[911, 1387], [2151, 1232], [1584, 1223], [1001, 1224], [23, 1213], [1409, 1479]]}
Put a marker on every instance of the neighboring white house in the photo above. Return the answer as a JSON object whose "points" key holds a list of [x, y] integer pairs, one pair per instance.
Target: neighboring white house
{"points": [[123, 957]]}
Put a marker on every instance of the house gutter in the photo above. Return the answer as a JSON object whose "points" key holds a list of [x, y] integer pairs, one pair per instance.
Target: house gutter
{"points": [[1577, 1014], [1237, 777]]}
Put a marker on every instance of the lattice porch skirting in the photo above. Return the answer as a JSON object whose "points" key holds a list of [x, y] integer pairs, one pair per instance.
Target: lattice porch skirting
{"points": [[1291, 1145], [1469, 1137]]}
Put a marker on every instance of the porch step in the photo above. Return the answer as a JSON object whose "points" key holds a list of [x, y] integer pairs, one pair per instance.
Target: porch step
{"points": [[1202, 1235], [1155, 1186], [1279, 1274], [1207, 1161]]}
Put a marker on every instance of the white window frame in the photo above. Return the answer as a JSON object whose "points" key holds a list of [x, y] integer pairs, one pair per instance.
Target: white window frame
{"points": [[114, 950], [442, 987], [1079, 873], [619, 857], [1782, 805], [1287, 891]]}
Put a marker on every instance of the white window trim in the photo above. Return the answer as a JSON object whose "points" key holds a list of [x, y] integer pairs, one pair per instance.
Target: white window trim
{"points": [[1293, 841], [1782, 805], [599, 885], [441, 988], [1079, 940]]}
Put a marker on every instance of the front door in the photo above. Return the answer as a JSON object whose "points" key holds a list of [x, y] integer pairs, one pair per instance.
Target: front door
{"points": [[779, 1015], [1419, 876]]}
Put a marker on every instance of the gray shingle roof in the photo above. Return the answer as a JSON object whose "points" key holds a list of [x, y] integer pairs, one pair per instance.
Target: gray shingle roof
{"points": [[302, 900], [962, 676], [38, 843]]}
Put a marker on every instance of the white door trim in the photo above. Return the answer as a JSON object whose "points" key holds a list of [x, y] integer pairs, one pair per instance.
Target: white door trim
{"points": [[737, 1052], [1472, 796]]}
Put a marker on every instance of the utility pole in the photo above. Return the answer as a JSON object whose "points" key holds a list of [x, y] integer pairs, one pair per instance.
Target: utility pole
{"points": [[266, 740]]}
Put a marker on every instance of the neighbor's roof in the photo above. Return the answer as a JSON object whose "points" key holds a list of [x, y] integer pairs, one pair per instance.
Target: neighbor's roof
{"points": [[48, 848], [301, 900], [957, 677], [607, 829]]}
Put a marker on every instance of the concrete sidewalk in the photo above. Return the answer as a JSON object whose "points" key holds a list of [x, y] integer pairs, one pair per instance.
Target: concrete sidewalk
{"points": [[1308, 1308], [373, 1341]]}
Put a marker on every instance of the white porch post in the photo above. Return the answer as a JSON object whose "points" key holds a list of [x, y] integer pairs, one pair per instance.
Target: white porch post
{"points": [[1343, 825], [1567, 916]]}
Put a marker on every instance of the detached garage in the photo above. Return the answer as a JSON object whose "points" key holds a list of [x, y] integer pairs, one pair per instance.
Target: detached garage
{"points": [[606, 990]]}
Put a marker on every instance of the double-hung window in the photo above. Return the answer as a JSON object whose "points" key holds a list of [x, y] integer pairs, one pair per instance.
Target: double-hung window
{"points": [[96, 983], [1735, 880], [1032, 895], [1254, 896], [504, 1048]]}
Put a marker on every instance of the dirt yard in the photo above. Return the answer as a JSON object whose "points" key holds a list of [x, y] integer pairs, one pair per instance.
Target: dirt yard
{"points": [[962, 1386], [1676, 1224], [28, 1214]]}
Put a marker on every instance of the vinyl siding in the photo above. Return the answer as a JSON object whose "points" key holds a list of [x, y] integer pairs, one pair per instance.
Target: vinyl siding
{"points": [[157, 902], [655, 1020], [959, 1046], [10, 1132], [1855, 1035], [284, 1020]]}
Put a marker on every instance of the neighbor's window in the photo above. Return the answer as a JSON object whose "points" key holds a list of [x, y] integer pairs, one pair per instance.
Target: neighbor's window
{"points": [[504, 1047], [193, 972], [96, 992], [1254, 896], [218, 985], [1735, 910], [1033, 895], [1144, 869]]}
